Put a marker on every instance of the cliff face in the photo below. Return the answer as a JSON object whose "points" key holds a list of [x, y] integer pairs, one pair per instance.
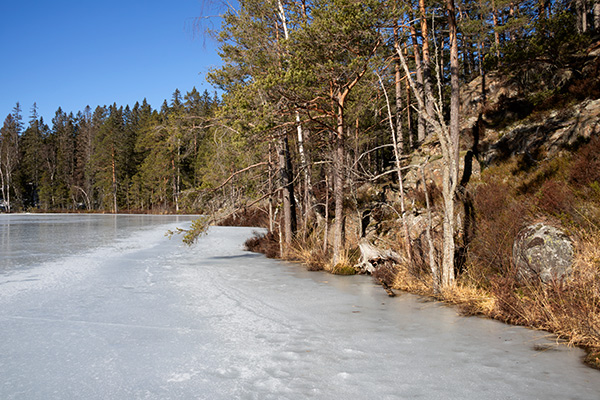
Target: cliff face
{"points": [[547, 135], [534, 112]]}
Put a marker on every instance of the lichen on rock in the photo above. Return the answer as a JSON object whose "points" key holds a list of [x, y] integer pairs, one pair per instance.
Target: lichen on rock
{"points": [[542, 252]]}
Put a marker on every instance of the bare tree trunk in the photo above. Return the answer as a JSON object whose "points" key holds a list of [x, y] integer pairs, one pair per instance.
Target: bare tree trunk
{"points": [[419, 75], [449, 188], [397, 153], [581, 8], [398, 87], [448, 138], [271, 216], [496, 33], [435, 273], [338, 184], [7, 200], [304, 164], [289, 203], [177, 183], [326, 230], [409, 125], [308, 196], [426, 60]]}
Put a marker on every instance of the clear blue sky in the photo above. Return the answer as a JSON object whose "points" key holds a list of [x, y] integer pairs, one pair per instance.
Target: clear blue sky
{"points": [[73, 53]]}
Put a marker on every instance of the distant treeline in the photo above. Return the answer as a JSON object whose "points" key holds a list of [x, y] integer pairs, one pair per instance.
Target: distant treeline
{"points": [[112, 158]]}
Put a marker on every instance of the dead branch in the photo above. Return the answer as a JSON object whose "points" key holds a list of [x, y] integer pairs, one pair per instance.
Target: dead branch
{"points": [[239, 172]]}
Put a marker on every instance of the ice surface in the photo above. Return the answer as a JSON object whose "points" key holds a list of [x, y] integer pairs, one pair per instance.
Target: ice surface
{"points": [[138, 316]]}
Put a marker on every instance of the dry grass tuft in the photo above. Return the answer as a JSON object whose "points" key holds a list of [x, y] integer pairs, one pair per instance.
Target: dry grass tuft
{"points": [[470, 300], [409, 282], [345, 265], [310, 252]]}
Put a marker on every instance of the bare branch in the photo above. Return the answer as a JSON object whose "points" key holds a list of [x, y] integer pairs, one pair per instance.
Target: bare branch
{"points": [[239, 172]]}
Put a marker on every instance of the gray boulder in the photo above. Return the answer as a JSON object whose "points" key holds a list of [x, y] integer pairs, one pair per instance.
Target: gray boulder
{"points": [[542, 252]]}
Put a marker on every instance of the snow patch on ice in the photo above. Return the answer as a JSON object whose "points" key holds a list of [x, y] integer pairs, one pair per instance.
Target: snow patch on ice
{"points": [[229, 373], [182, 376], [343, 375]]}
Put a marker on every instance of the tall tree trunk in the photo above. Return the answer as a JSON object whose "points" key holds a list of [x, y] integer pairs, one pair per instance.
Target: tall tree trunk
{"points": [[5, 176], [430, 251], [305, 165], [419, 76], [426, 60], [326, 229], [289, 204], [449, 189], [496, 33], [338, 183], [271, 200], [581, 11], [8, 185], [308, 190], [398, 87], [448, 139], [409, 122]]}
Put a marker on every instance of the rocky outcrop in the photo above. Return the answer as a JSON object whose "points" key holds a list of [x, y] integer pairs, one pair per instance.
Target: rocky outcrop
{"points": [[529, 111], [542, 252], [548, 135]]}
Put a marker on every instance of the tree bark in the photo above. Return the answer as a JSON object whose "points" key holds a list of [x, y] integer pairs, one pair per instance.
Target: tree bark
{"points": [[449, 188], [430, 251], [496, 33], [419, 76], [398, 87], [271, 200], [426, 61], [305, 165], [581, 13], [326, 229], [338, 183], [289, 203]]}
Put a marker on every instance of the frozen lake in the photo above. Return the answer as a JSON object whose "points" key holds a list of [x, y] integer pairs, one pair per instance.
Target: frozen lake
{"points": [[106, 307]]}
